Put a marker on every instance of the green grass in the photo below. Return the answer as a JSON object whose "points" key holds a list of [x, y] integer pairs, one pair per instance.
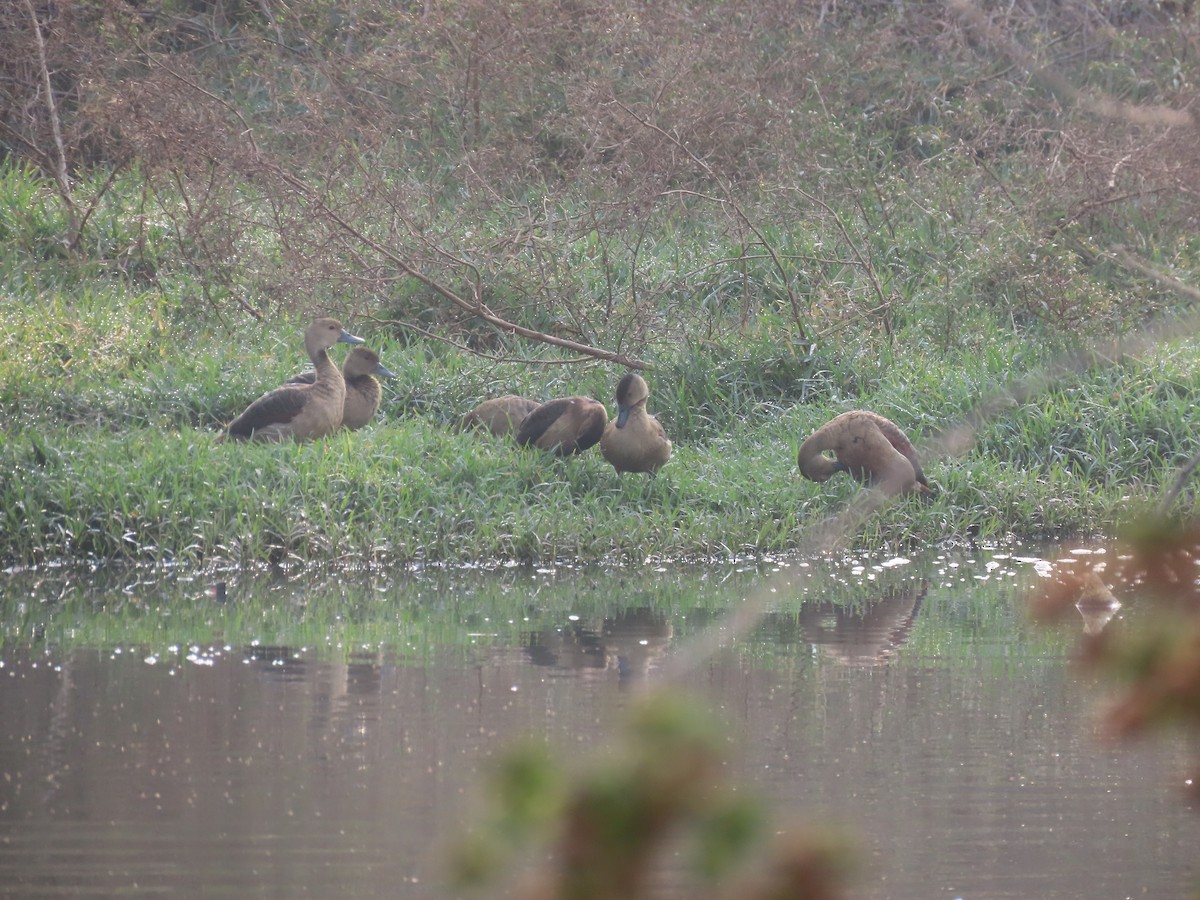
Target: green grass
{"points": [[123, 361], [112, 405], [112, 460]]}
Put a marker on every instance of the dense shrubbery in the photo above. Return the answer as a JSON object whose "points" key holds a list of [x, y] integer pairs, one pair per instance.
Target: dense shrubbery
{"points": [[628, 178]]}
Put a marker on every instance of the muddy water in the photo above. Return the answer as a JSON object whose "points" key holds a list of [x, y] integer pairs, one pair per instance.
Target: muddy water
{"points": [[324, 738]]}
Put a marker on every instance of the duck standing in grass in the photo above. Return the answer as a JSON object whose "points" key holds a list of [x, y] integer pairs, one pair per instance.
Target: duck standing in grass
{"points": [[300, 411], [500, 415], [866, 446], [363, 392], [635, 440], [565, 427]]}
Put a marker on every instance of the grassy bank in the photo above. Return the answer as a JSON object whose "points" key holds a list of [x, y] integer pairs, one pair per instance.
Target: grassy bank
{"points": [[781, 213], [109, 452], [112, 398]]}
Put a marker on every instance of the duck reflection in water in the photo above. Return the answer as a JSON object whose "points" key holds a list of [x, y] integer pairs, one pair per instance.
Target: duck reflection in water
{"points": [[867, 633], [1097, 604], [277, 662], [1082, 581], [629, 643], [343, 697]]}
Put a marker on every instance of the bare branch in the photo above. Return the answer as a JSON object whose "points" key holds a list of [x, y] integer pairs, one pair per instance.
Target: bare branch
{"points": [[1167, 280], [736, 207], [458, 345], [476, 307], [1185, 472], [1059, 86], [247, 131], [61, 176]]}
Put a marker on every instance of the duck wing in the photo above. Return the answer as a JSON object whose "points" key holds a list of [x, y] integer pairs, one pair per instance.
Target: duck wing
{"points": [[903, 445], [273, 410], [538, 423], [566, 426]]}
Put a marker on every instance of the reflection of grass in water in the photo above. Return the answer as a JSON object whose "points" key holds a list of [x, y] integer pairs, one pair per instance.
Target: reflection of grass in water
{"points": [[326, 617], [960, 617], [941, 610], [417, 613]]}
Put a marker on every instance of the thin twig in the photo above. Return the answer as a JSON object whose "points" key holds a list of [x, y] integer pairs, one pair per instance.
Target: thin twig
{"points": [[735, 206], [433, 336], [476, 307], [61, 175], [863, 261], [247, 132], [1185, 472]]}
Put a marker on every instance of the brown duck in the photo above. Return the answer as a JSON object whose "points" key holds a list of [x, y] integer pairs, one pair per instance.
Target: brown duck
{"points": [[635, 440], [300, 411], [363, 392], [565, 426], [868, 447], [500, 415]]}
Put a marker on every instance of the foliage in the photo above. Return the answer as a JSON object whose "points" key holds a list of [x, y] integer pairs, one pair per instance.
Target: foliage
{"points": [[858, 173], [783, 210], [612, 826], [1156, 665], [112, 402]]}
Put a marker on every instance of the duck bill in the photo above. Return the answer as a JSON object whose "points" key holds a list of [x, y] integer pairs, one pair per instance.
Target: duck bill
{"points": [[622, 416], [386, 373], [347, 338]]}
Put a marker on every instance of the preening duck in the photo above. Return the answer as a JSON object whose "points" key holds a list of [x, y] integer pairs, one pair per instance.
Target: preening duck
{"points": [[565, 426], [363, 392], [866, 446], [301, 411], [500, 415], [635, 441]]}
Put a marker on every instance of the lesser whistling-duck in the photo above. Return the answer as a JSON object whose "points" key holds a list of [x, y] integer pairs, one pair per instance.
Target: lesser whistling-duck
{"points": [[363, 392], [301, 411], [866, 446], [565, 426], [500, 415], [635, 440]]}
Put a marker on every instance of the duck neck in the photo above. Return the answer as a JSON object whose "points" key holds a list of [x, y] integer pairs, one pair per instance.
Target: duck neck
{"points": [[818, 467], [327, 373]]}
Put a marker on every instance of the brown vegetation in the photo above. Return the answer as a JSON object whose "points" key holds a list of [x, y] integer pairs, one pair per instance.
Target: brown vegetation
{"points": [[305, 155]]}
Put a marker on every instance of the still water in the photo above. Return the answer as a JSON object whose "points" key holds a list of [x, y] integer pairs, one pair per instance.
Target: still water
{"points": [[326, 737]]}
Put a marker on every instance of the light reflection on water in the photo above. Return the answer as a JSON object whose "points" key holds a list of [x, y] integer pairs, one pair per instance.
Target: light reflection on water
{"points": [[909, 702]]}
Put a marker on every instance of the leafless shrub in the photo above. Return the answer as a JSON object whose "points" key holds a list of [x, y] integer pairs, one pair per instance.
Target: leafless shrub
{"points": [[469, 169]]}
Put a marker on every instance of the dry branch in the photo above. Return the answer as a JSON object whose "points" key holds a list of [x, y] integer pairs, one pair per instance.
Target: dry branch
{"points": [[476, 307], [61, 176], [730, 200]]}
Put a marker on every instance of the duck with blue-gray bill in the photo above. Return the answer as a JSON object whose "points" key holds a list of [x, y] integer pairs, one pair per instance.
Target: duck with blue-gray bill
{"points": [[363, 392], [301, 411], [635, 441]]}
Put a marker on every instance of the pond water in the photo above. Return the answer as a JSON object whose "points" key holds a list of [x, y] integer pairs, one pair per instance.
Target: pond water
{"points": [[326, 737]]}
